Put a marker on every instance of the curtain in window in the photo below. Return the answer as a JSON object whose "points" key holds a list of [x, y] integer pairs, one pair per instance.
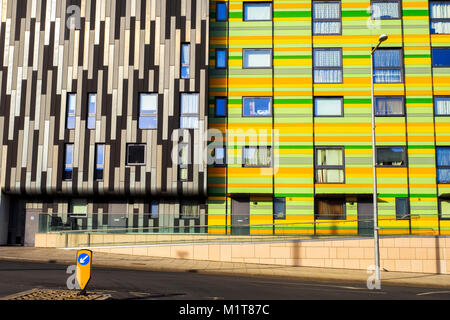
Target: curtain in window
{"points": [[388, 106], [257, 156], [328, 106], [327, 27], [387, 58], [327, 58], [443, 156], [324, 10], [257, 58], [440, 27], [261, 11], [79, 207], [149, 103], [445, 209], [333, 209], [440, 10], [189, 107], [327, 76], [189, 211], [385, 10], [442, 106], [330, 176], [443, 175], [329, 157], [387, 76]]}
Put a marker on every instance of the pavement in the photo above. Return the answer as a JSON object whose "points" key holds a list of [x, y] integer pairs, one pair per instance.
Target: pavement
{"points": [[128, 262]]}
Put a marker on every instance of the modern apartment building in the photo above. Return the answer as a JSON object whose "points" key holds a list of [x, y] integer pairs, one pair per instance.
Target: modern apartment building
{"points": [[290, 90], [102, 104], [107, 108]]}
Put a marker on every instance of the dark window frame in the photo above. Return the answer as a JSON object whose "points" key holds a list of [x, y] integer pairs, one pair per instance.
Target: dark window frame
{"points": [[326, 20], [257, 147], [344, 208], [257, 2], [189, 203], [408, 209], [440, 199], [405, 149], [127, 154], [183, 166], [441, 167], [257, 49], [283, 217], [226, 107], [401, 67], [432, 64], [257, 97], [68, 170], [227, 11], [341, 67], [181, 61], [190, 114], [380, 1], [391, 115], [98, 170], [146, 115], [74, 115], [329, 167], [328, 116], [226, 58], [434, 106], [436, 19]]}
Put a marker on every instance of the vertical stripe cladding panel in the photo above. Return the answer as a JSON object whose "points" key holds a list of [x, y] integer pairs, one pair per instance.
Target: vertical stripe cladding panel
{"points": [[121, 48]]}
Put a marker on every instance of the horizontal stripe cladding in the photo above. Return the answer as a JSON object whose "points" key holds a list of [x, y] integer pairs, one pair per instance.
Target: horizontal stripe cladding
{"points": [[121, 48], [297, 131]]}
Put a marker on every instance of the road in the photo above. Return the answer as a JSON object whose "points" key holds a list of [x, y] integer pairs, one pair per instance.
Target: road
{"points": [[147, 285]]}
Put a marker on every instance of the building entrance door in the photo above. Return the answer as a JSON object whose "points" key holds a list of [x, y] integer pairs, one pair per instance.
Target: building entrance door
{"points": [[365, 217], [240, 216]]}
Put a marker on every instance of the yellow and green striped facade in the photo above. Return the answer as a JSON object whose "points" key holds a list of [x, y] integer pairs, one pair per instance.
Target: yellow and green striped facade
{"points": [[293, 131]]}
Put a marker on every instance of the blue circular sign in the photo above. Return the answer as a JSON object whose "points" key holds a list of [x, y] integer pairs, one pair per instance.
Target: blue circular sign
{"points": [[83, 259]]}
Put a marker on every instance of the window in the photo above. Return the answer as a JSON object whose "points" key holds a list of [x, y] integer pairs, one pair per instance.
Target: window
{"points": [[327, 65], [183, 161], [99, 161], [443, 164], [442, 106], [440, 56], [384, 10], [257, 58], [189, 111], [257, 156], [279, 208], [189, 210], [444, 209], [389, 106], [135, 154], [329, 165], [257, 107], [148, 111], [402, 208], [221, 58], [71, 106], [68, 162], [330, 209], [154, 214], [220, 156], [185, 60], [387, 66], [221, 107], [221, 11], [440, 17], [326, 17], [257, 11], [78, 208], [328, 107], [92, 106], [391, 156]]}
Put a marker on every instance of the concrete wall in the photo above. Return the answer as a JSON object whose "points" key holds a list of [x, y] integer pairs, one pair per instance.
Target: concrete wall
{"points": [[404, 254]]}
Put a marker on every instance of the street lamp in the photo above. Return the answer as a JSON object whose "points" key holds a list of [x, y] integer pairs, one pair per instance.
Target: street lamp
{"points": [[382, 38]]}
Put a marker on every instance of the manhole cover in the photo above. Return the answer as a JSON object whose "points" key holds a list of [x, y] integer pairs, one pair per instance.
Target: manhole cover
{"points": [[49, 294]]}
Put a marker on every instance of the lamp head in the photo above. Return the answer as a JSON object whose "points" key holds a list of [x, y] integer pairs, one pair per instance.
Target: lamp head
{"points": [[383, 38]]}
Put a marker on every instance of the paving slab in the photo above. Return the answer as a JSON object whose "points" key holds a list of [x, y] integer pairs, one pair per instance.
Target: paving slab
{"points": [[122, 261]]}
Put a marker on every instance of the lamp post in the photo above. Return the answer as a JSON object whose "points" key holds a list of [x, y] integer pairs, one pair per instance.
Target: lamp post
{"points": [[382, 38]]}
